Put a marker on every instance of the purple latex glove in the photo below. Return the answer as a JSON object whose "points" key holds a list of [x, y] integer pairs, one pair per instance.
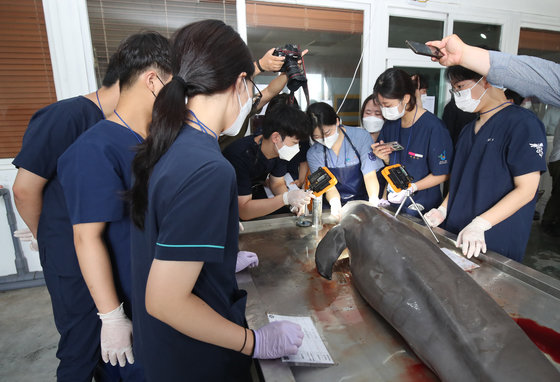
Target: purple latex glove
{"points": [[246, 259], [277, 339]]}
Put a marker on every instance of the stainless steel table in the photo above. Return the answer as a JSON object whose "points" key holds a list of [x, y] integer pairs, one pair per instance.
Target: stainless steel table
{"points": [[362, 344]]}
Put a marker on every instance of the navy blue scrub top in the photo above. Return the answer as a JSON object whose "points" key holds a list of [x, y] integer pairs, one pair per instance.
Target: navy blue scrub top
{"points": [[428, 149], [94, 173], [301, 156], [192, 215], [250, 164], [511, 143], [50, 132]]}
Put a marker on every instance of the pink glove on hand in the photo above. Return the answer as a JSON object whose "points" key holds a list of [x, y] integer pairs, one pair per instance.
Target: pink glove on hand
{"points": [[246, 259], [277, 339]]}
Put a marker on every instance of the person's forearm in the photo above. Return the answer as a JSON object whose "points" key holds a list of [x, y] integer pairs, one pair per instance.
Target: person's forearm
{"points": [[332, 193], [256, 208], [95, 265], [445, 201], [302, 172], [29, 208], [511, 202], [372, 184], [476, 59], [430, 181], [274, 87], [278, 187], [28, 197], [193, 317]]}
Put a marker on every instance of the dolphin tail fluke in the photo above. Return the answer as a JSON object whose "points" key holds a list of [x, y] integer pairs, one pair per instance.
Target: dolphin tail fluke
{"points": [[329, 250]]}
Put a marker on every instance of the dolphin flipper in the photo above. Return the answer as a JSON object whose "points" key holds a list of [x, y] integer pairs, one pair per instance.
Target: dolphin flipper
{"points": [[329, 250]]}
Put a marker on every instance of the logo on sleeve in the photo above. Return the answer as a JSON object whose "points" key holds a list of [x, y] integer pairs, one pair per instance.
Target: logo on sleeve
{"points": [[442, 157], [539, 147]]}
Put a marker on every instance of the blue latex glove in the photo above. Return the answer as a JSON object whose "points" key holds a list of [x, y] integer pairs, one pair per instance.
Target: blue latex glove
{"points": [[277, 339], [246, 259]]}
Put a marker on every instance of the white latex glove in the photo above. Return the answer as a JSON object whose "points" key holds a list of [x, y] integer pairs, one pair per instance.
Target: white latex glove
{"points": [[398, 197], [116, 337], [336, 208], [297, 198], [26, 235], [379, 202], [471, 238], [436, 216], [246, 259]]}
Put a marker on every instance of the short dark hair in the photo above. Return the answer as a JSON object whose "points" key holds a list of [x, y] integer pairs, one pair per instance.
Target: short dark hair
{"points": [[458, 73], [321, 114], [113, 71], [283, 98], [395, 84], [514, 96], [421, 81], [141, 51], [287, 121]]}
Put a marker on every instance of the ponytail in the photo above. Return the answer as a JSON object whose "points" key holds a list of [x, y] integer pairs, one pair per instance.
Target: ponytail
{"points": [[168, 117]]}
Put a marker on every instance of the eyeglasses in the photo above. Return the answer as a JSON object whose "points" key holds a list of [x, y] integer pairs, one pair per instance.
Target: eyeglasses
{"points": [[455, 92], [256, 98]]}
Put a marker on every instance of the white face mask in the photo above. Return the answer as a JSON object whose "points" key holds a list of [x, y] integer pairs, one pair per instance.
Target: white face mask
{"points": [[287, 152], [392, 113], [373, 124], [464, 100], [328, 142], [244, 111]]}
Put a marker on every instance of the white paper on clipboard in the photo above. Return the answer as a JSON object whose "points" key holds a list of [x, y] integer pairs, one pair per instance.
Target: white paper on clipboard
{"points": [[312, 351]]}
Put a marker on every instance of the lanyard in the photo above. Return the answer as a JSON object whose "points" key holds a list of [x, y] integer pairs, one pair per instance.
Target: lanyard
{"points": [[99, 103], [202, 126], [128, 127]]}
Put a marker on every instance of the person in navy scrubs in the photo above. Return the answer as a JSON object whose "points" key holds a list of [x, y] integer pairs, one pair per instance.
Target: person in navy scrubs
{"points": [[346, 152], [94, 173], [189, 314], [264, 158], [40, 202], [427, 148], [496, 171]]}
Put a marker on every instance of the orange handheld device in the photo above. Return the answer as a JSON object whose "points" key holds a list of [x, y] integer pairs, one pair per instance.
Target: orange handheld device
{"points": [[397, 177], [321, 181]]}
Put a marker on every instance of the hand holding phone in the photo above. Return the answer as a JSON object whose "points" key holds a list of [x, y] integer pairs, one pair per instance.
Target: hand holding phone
{"points": [[395, 146], [423, 49]]}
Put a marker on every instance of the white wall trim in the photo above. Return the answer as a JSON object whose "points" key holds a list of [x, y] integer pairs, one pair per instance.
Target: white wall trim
{"points": [[68, 32]]}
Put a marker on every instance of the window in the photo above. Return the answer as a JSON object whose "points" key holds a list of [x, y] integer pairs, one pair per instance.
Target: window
{"points": [[111, 21], [26, 72], [407, 28], [333, 37], [476, 34]]}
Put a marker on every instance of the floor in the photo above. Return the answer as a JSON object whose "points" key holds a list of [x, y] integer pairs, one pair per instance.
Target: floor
{"points": [[28, 337]]}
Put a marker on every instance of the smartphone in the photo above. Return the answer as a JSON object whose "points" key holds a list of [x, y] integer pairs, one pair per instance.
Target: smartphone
{"points": [[423, 49], [396, 146]]}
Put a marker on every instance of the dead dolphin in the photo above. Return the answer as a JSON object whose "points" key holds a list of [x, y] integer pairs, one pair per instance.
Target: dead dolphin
{"points": [[448, 320]]}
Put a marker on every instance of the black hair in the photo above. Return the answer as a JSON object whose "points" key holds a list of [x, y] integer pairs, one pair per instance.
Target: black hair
{"points": [[420, 82], [458, 73], [113, 70], [141, 51], [207, 57], [287, 120], [283, 98], [395, 84], [321, 114], [514, 96], [363, 109]]}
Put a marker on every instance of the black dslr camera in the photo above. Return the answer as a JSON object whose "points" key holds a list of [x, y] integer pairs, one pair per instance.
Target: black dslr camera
{"points": [[294, 71]]}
